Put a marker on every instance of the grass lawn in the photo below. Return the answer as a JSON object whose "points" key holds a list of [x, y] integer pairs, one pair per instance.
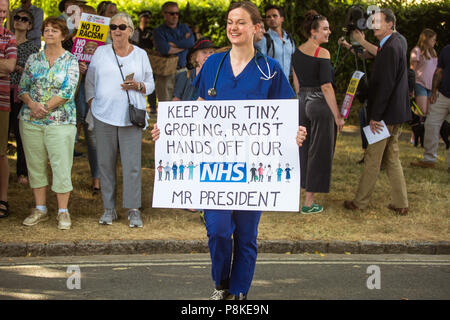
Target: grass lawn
{"points": [[428, 193]]}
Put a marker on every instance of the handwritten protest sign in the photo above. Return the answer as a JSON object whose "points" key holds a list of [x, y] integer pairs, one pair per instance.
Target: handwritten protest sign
{"points": [[92, 32], [351, 92], [227, 155]]}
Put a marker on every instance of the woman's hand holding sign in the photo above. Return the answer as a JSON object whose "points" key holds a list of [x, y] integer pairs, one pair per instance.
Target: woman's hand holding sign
{"points": [[301, 135], [155, 132]]}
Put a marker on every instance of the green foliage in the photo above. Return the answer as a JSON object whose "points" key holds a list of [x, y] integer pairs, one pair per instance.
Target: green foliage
{"points": [[209, 16]]}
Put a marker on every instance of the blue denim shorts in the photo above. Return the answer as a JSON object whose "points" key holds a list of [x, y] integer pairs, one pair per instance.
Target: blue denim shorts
{"points": [[420, 90]]}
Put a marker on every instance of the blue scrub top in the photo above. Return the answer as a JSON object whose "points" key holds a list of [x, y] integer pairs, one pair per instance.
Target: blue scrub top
{"points": [[248, 85]]}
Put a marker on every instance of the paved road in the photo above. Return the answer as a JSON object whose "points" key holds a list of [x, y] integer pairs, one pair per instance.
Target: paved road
{"points": [[277, 276]]}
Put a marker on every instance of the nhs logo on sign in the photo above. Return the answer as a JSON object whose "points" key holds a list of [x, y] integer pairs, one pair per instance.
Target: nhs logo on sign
{"points": [[223, 172]]}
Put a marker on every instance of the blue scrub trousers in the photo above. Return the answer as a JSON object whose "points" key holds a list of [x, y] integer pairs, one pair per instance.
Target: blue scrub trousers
{"points": [[223, 227]]}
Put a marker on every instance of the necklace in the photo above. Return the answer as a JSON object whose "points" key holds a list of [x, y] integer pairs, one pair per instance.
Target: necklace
{"points": [[52, 57], [123, 52]]}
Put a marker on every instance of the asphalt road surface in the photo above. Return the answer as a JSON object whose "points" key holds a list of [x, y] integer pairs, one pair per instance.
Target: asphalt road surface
{"points": [[187, 277]]}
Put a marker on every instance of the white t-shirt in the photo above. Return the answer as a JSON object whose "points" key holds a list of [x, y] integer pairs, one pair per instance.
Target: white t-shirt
{"points": [[103, 80]]}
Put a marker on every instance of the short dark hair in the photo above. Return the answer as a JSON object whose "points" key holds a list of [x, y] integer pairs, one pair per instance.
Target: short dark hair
{"points": [[57, 23], [102, 6], [389, 16], [168, 4], [29, 15], [272, 6]]}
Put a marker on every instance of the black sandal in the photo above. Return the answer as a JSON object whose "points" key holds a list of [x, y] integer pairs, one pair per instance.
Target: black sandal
{"points": [[5, 212]]}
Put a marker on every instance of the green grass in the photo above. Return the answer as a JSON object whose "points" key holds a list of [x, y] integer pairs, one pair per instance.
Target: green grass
{"points": [[428, 194]]}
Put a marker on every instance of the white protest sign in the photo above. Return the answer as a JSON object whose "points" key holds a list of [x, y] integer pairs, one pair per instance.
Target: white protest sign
{"points": [[230, 155]]}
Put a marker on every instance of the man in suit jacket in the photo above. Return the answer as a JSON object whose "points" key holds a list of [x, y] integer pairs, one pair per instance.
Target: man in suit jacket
{"points": [[388, 101]]}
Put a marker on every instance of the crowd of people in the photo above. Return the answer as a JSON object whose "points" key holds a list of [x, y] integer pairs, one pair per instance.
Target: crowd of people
{"points": [[46, 94]]}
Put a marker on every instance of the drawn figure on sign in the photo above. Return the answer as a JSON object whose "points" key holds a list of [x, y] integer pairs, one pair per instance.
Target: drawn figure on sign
{"points": [[160, 170], [181, 169], [261, 172], [269, 173], [167, 171], [279, 172], [288, 172], [253, 174], [191, 167], [174, 169]]}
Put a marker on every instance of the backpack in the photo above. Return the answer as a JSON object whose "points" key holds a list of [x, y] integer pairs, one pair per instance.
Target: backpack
{"points": [[269, 43]]}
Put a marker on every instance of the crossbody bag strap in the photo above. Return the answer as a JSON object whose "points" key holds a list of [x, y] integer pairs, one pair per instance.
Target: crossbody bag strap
{"points": [[120, 69]]}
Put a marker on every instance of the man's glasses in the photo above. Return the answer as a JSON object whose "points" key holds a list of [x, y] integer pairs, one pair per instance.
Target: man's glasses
{"points": [[121, 27], [19, 18], [174, 13]]}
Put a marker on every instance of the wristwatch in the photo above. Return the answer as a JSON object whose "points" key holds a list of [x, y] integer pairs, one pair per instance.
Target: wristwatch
{"points": [[139, 86]]}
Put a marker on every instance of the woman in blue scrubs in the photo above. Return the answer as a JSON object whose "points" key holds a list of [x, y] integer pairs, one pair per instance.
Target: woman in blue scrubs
{"points": [[241, 73]]}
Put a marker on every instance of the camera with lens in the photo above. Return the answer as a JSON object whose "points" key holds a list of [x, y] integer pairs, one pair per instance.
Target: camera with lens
{"points": [[356, 19]]}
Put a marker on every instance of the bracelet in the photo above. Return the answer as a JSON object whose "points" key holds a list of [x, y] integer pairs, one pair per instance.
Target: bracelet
{"points": [[46, 106], [139, 86]]}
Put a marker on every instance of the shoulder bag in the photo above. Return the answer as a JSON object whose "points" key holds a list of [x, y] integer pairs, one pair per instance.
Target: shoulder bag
{"points": [[137, 116]]}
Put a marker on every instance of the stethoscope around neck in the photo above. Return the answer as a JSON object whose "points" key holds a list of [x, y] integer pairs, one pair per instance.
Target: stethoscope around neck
{"points": [[212, 92]]}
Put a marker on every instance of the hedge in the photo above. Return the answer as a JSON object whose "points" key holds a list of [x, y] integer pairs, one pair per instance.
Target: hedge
{"points": [[412, 17]]}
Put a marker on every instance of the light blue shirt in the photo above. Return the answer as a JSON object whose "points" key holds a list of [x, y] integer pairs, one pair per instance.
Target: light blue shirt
{"points": [[383, 41], [284, 49]]}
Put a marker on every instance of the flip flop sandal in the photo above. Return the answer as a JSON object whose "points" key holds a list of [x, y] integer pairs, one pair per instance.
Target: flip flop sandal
{"points": [[5, 212], [22, 179], [95, 191]]}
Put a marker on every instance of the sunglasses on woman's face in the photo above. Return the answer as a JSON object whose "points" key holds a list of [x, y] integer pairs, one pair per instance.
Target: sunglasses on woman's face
{"points": [[19, 18], [121, 27]]}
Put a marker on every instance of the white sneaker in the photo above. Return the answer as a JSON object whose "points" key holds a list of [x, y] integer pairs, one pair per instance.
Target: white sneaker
{"points": [[219, 294], [64, 222], [35, 217]]}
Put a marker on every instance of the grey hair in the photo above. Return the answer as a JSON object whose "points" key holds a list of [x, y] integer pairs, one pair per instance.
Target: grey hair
{"points": [[124, 16]]}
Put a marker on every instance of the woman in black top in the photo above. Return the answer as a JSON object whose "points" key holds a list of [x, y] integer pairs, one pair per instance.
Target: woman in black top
{"points": [[319, 113]]}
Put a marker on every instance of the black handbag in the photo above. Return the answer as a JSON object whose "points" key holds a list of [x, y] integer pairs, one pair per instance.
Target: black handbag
{"points": [[137, 116]]}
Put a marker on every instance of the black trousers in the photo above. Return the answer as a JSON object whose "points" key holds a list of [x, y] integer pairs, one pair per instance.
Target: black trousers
{"points": [[152, 101], [21, 164], [317, 151]]}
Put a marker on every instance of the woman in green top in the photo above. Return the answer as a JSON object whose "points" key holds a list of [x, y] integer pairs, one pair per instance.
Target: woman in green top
{"points": [[48, 119]]}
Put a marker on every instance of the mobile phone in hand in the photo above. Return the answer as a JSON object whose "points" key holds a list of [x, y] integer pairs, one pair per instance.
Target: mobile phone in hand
{"points": [[129, 77]]}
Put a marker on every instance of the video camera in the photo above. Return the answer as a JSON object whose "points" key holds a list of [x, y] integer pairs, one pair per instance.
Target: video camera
{"points": [[356, 19]]}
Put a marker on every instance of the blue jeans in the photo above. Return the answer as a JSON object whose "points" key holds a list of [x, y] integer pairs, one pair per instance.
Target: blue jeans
{"points": [[223, 228], [82, 110], [420, 90]]}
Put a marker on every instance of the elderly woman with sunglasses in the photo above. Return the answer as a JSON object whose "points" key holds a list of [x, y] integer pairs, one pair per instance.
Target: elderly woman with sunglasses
{"points": [[115, 70], [23, 24]]}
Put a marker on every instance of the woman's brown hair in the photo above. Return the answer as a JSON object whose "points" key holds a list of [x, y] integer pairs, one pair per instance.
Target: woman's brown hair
{"points": [[311, 22], [56, 23], [248, 6], [422, 43]]}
